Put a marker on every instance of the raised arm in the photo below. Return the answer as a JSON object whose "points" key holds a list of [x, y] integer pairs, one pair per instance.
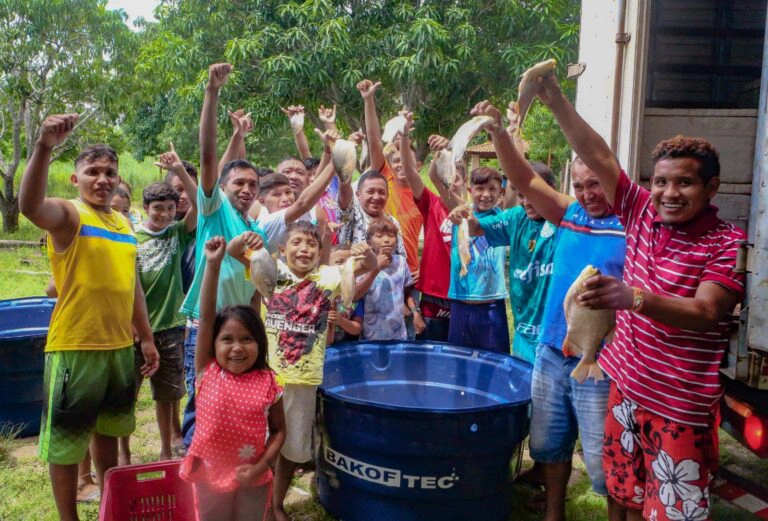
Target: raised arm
{"points": [[209, 172], [448, 196], [328, 117], [372, 128], [241, 126], [585, 141], [171, 162], [297, 127], [214, 251], [408, 160], [56, 216], [550, 203], [311, 194]]}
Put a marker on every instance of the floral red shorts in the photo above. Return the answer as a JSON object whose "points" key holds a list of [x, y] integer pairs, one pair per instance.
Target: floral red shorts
{"points": [[655, 464]]}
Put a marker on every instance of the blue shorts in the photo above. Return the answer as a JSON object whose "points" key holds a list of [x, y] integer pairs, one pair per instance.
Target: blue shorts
{"points": [[563, 410], [479, 326]]}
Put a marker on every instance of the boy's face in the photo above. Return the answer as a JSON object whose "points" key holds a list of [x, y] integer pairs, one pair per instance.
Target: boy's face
{"points": [[160, 214], [121, 205], [589, 192], [296, 173], [183, 207], [383, 242], [241, 188], [373, 196], [678, 193], [96, 181], [395, 162], [301, 251], [339, 257], [484, 196], [278, 197], [459, 185], [530, 211]]}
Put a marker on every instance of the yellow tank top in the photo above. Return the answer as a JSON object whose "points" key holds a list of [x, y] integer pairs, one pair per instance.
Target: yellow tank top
{"points": [[95, 278]]}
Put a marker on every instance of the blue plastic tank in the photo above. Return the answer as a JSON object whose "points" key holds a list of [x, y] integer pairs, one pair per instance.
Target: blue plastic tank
{"points": [[411, 431], [23, 330]]}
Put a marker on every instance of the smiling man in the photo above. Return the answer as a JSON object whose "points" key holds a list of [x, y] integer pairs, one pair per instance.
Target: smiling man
{"points": [[672, 322]]}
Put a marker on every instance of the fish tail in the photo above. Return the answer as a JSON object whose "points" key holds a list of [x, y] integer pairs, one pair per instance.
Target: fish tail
{"points": [[581, 371]]}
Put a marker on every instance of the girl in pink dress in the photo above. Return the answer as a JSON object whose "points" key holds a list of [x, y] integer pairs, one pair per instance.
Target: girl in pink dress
{"points": [[240, 425]]}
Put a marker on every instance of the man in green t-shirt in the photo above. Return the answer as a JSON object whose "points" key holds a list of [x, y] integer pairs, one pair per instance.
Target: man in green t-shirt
{"points": [[162, 241]]}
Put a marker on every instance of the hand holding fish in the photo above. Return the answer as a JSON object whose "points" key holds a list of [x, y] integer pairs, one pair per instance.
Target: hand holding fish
{"points": [[460, 213], [214, 250], [356, 137], [295, 115], [383, 261], [253, 241], [328, 137], [367, 88], [437, 142], [327, 116], [485, 108], [218, 74], [604, 292], [548, 89]]}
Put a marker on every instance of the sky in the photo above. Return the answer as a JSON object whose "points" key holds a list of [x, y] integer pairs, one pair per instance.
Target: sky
{"points": [[135, 8]]}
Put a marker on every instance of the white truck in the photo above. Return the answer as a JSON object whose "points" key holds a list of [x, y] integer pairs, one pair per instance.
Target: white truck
{"points": [[700, 68]]}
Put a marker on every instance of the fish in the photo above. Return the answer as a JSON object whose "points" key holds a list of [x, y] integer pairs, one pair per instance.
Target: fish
{"points": [[446, 159], [263, 272], [344, 158], [587, 328], [348, 281], [529, 84], [463, 241], [393, 127], [297, 121]]}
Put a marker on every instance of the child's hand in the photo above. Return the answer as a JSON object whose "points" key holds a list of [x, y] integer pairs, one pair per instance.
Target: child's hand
{"points": [[360, 249], [414, 277], [333, 316], [418, 323], [249, 472], [460, 212], [356, 137], [214, 250], [169, 160], [151, 358], [328, 137], [253, 241], [437, 142], [383, 261]]}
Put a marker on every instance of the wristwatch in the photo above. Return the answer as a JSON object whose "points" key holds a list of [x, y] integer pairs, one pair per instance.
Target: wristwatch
{"points": [[416, 309]]}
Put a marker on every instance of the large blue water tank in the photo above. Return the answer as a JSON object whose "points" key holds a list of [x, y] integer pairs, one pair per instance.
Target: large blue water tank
{"points": [[411, 431], [23, 330]]}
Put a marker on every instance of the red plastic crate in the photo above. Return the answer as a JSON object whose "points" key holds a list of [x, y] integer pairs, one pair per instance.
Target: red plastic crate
{"points": [[152, 492]]}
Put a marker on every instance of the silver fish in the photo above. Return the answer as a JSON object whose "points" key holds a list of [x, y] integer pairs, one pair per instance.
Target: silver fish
{"points": [[463, 241], [587, 328], [392, 128], [263, 272], [364, 159], [348, 281], [529, 84], [445, 161], [344, 159], [297, 121]]}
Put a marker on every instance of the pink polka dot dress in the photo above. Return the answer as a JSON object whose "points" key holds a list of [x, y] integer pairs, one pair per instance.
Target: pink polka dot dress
{"points": [[230, 426]]}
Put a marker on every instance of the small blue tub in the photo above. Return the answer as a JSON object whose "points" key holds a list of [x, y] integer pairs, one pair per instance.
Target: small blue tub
{"points": [[23, 330], [412, 431]]}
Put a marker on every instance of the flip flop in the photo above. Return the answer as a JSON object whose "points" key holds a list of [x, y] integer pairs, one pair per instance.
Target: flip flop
{"points": [[93, 497]]}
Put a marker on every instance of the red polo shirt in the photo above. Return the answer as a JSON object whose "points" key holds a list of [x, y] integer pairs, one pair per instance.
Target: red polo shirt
{"points": [[671, 371]]}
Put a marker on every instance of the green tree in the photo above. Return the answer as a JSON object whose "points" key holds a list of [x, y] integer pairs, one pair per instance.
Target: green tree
{"points": [[434, 57], [55, 56]]}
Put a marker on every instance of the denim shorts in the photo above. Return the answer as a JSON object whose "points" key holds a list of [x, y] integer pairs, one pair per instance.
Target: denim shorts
{"points": [[564, 410], [188, 422]]}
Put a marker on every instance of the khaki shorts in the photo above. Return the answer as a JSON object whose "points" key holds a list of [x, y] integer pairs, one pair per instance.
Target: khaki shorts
{"points": [[167, 383], [85, 391], [299, 406]]}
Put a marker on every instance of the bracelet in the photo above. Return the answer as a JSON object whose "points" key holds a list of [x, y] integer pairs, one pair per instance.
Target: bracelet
{"points": [[637, 300], [416, 309]]}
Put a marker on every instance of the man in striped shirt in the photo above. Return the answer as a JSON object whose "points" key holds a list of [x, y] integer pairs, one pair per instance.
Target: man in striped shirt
{"points": [[673, 316]]}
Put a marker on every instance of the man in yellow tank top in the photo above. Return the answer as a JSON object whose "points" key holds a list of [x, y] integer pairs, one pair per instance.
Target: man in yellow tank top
{"points": [[89, 376]]}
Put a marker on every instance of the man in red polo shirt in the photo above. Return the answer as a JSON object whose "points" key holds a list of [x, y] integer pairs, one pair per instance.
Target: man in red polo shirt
{"points": [[672, 322]]}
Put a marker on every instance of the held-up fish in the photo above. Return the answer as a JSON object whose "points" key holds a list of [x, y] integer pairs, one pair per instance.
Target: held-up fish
{"points": [[587, 328], [445, 161], [297, 121], [392, 128], [529, 84], [348, 281], [464, 254], [263, 272], [344, 159]]}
